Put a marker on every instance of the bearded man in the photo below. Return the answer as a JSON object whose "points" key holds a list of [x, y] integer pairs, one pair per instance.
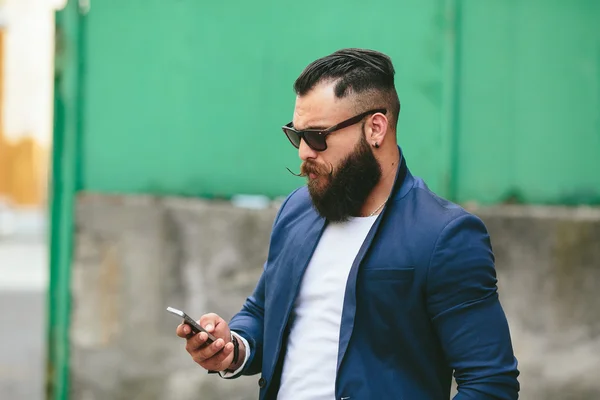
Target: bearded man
{"points": [[374, 287]]}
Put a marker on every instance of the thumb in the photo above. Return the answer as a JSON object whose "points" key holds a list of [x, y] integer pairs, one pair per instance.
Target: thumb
{"points": [[210, 321], [221, 330]]}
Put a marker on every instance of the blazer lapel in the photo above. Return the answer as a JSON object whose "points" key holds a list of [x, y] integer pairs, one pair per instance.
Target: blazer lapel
{"points": [[312, 228], [349, 310], [308, 233]]}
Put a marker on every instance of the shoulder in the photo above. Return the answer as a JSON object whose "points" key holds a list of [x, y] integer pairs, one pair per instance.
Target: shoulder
{"points": [[458, 248], [430, 223], [438, 213]]}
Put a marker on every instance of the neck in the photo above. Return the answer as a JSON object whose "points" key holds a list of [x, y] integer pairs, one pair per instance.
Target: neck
{"points": [[381, 192]]}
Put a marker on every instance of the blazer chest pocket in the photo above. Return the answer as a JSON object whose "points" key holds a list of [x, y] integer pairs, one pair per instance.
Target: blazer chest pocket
{"points": [[379, 274], [385, 296], [386, 286]]}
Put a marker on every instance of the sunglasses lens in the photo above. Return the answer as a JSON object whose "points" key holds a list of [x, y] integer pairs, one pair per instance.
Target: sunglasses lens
{"points": [[315, 140], [293, 137]]}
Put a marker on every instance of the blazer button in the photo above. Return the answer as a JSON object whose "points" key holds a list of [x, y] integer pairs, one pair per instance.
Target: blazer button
{"points": [[262, 382]]}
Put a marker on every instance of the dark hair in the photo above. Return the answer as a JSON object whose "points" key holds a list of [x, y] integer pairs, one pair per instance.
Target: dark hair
{"points": [[366, 73]]}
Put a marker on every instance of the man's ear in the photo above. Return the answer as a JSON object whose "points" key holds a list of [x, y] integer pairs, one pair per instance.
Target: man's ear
{"points": [[377, 128]]}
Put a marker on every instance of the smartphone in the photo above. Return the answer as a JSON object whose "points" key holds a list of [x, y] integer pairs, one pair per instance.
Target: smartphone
{"points": [[196, 328]]}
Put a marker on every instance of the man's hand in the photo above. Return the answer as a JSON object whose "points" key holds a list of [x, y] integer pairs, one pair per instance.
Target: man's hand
{"points": [[217, 356]]}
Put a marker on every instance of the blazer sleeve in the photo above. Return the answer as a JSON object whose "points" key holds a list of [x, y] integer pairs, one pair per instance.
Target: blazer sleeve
{"points": [[463, 303], [249, 323]]}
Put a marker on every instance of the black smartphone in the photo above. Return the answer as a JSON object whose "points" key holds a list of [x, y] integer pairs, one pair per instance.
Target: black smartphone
{"points": [[196, 328]]}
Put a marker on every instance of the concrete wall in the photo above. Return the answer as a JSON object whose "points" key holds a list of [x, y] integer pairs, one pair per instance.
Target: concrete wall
{"points": [[134, 256]]}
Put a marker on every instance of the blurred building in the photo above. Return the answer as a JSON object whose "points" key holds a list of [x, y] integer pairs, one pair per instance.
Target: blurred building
{"points": [[26, 109], [26, 99]]}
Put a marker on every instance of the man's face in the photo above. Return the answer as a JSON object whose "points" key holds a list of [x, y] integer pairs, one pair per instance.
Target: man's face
{"points": [[341, 177]]}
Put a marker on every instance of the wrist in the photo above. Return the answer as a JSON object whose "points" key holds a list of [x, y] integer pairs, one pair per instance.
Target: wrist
{"points": [[239, 353]]}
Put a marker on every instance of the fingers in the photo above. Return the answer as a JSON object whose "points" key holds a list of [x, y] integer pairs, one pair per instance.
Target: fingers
{"points": [[211, 322], [206, 352], [216, 356], [183, 330], [196, 342], [219, 357]]}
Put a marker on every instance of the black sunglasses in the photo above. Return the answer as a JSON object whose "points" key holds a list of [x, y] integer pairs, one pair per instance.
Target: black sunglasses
{"points": [[315, 138]]}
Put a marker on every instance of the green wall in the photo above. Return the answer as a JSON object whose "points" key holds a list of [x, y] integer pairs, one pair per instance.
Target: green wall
{"points": [[500, 98], [529, 108], [188, 97]]}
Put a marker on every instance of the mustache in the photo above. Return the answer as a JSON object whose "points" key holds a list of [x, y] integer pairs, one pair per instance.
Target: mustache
{"points": [[295, 174], [306, 169]]}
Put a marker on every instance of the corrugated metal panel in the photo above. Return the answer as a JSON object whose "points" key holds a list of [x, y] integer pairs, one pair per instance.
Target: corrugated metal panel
{"points": [[188, 97], [529, 109], [189, 107]]}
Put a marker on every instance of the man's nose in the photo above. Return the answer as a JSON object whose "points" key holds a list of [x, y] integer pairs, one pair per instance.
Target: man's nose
{"points": [[305, 152]]}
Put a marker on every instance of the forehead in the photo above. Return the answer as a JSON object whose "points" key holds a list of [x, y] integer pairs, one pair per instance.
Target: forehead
{"points": [[320, 108]]}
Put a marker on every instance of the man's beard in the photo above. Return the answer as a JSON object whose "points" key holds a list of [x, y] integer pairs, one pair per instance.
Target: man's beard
{"points": [[346, 189]]}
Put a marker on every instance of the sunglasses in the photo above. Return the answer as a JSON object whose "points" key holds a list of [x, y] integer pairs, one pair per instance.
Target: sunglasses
{"points": [[315, 138]]}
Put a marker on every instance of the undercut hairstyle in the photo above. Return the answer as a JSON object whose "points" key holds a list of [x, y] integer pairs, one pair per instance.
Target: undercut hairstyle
{"points": [[368, 75]]}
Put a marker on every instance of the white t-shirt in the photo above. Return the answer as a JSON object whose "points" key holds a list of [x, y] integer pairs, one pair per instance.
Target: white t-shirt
{"points": [[310, 363]]}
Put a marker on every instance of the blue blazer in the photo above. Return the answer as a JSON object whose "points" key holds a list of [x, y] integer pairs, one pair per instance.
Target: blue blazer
{"points": [[421, 302]]}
